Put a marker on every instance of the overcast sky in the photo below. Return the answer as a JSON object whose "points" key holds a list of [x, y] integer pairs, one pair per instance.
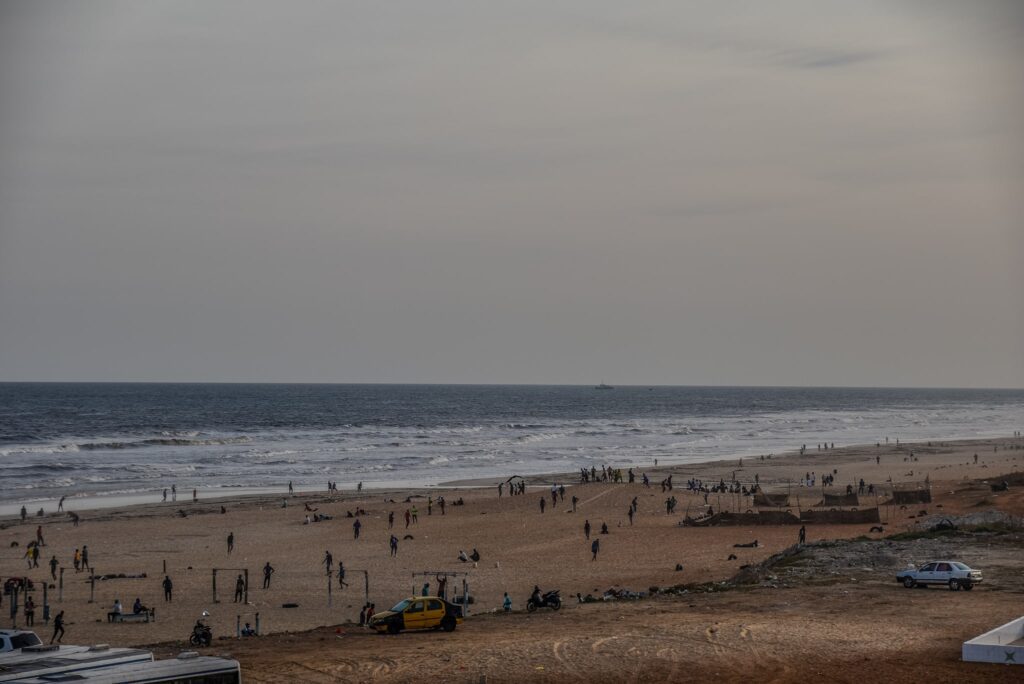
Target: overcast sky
{"points": [[783, 193]]}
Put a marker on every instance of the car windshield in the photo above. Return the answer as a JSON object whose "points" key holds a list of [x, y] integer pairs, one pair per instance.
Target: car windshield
{"points": [[24, 639], [400, 606], [959, 566]]}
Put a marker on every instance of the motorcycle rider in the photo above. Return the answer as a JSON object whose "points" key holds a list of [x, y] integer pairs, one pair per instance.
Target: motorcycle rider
{"points": [[201, 632], [535, 597]]}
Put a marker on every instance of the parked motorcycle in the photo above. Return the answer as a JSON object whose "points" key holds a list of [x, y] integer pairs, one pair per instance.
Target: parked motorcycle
{"points": [[201, 635], [550, 599]]}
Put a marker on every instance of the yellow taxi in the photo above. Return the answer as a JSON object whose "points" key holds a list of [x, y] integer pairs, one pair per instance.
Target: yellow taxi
{"points": [[418, 612]]}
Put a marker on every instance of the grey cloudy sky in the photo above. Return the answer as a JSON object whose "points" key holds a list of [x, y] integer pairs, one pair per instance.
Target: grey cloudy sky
{"points": [[798, 193]]}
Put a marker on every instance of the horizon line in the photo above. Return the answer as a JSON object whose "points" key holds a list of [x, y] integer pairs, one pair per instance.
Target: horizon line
{"points": [[492, 384]]}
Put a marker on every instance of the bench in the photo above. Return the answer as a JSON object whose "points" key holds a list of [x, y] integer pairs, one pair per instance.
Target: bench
{"points": [[144, 616]]}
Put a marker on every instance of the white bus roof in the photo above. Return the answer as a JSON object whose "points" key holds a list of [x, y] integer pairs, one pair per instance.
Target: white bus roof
{"points": [[38, 660]]}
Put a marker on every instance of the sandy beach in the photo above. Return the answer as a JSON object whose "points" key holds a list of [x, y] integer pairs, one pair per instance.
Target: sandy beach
{"points": [[519, 547]]}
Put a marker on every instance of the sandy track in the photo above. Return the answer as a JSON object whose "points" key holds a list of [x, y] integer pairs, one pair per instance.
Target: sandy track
{"points": [[811, 634]]}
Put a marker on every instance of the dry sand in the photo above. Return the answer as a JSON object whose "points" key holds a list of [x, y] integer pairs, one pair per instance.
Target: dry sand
{"points": [[520, 547]]}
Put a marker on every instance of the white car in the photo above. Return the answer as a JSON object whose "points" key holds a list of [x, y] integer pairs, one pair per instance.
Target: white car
{"points": [[13, 639], [953, 574]]}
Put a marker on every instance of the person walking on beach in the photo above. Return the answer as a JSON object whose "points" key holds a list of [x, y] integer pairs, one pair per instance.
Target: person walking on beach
{"points": [[543, 502], [506, 603], [394, 545], [165, 495], [60, 504], [168, 586], [291, 490], [802, 539], [174, 492], [328, 562], [39, 536], [53, 567], [341, 575], [267, 572], [195, 495], [356, 527], [595, 546], [630, 514], [58, 627], [501, 487], [415, 516], [231, 542], [391, 519], [24, 514], [408, 518], [35, 556], [575, 500], [77, 560], [239, 589], [30, 611], [586, 529], [85, 558]]}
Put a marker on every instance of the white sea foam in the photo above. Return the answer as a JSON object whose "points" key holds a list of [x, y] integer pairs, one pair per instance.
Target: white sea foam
{"points": [[526, 445]]}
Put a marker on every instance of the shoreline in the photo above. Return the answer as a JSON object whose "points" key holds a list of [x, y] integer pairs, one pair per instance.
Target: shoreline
{"points": [[521, 544], [718, 467]]}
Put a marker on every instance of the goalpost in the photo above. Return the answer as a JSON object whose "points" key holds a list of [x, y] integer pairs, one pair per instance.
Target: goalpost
{"points": [[446, 574], [245, 578]]}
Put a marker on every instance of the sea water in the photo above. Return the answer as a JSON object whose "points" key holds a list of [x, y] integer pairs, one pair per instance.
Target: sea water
{"points": [[92, 439]]}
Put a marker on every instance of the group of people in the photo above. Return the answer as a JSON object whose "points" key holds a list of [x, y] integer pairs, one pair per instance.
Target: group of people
{"points": [[328, 563], [366, 613], [606, 474], [32, 553], [514, 488], [475, 556], [137, 609], [442, 585]]}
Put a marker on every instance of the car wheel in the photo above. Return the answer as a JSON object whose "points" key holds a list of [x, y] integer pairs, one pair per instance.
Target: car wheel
{"points": [[954, 584], [448, 623], [968, 586], [909, 582], [393, 628]]}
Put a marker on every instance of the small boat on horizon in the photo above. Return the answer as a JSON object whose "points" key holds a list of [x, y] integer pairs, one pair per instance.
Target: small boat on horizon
{"points": [[603, 386]]}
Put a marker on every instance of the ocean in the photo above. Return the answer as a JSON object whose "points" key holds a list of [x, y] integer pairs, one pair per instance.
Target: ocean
{"points": [[92, 439]]}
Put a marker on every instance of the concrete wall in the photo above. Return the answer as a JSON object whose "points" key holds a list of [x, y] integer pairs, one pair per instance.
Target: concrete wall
{"points": [[997, 646]]}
